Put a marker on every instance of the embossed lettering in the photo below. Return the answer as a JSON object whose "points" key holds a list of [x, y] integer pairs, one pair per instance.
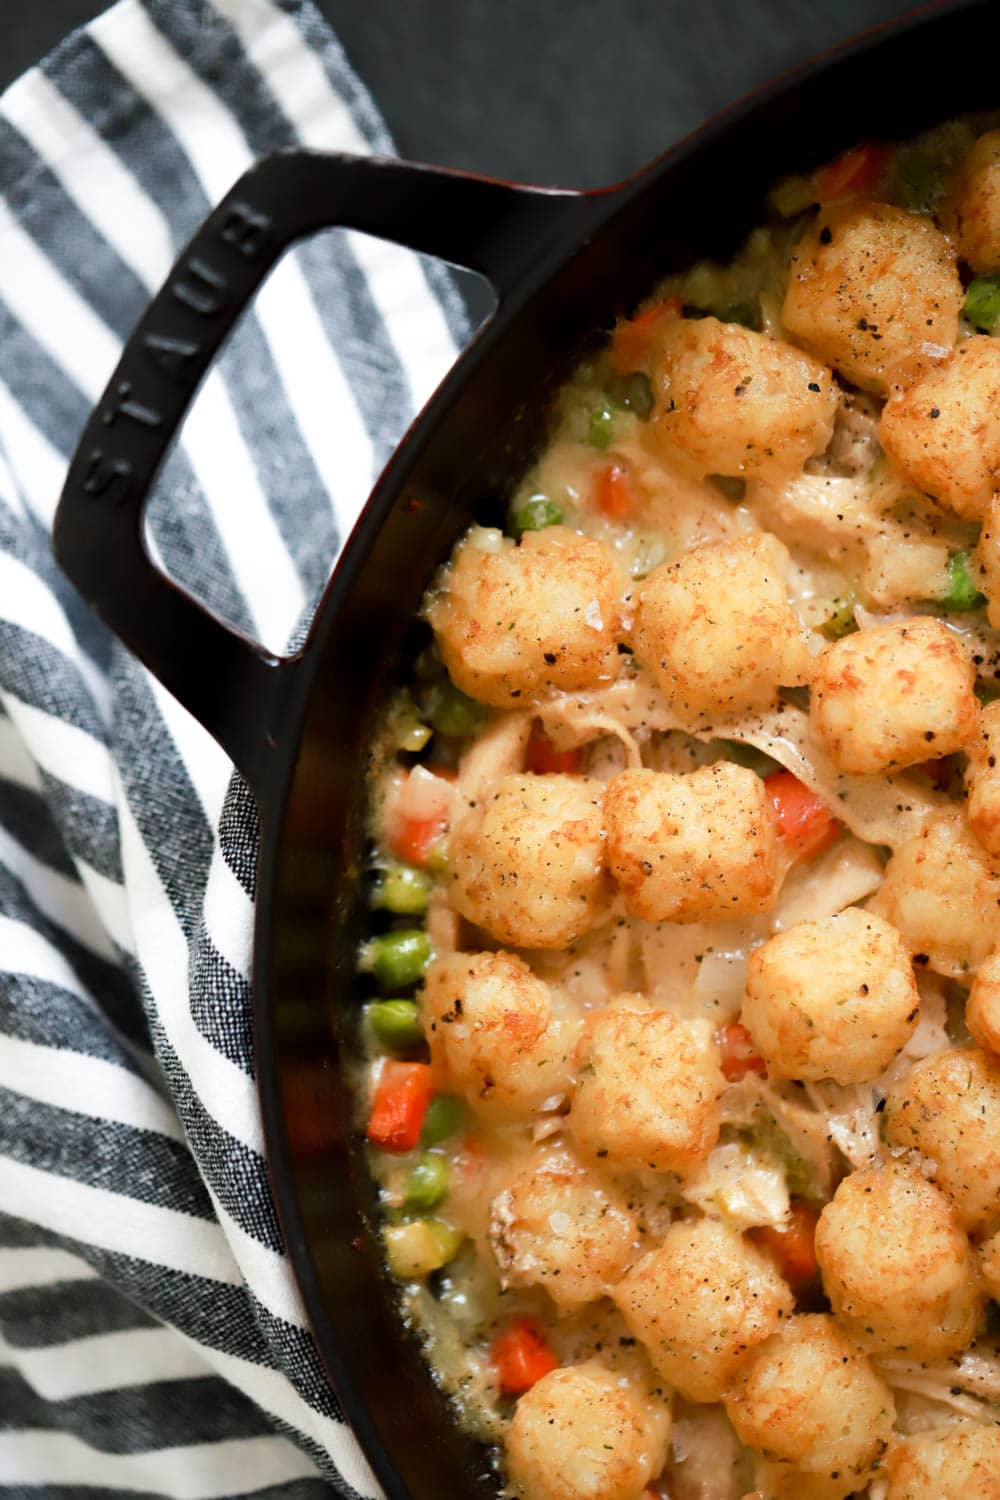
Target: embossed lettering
{"points": [[200, 287], [123, 405], [171, 355], [245, 228], [107, 477]]}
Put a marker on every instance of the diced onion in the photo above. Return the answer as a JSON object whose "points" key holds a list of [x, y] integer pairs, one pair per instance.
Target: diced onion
{"points": [[425, 796]]}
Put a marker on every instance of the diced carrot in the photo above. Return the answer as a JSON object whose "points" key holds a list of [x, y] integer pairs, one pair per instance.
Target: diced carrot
{"points": [[521, 1356], [414, 839], [738, 1056], [805, 823], [633, 340], [853, 174], [793, 1248], [614, 492], [403, 1092], [544, 759], [418, 812]]}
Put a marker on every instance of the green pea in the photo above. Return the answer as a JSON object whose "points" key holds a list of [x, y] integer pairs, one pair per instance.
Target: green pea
{"points": [[841, 622], [445, 1117], [633, 393], [982, 303], [535, 514], [402, 889], [962, 592], [451, 711], [426, 1183], [399, 958], [601, 426], [395, 1023]]}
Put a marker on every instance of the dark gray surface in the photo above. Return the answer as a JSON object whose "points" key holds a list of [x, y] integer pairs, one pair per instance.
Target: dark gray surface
{"points": [[577, 92]]}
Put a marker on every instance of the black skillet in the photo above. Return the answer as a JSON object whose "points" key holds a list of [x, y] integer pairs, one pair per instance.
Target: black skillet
{"points": [[562, 264]]}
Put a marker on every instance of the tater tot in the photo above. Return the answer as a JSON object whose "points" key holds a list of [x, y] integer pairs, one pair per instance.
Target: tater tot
{"points": [[731, 401], [582, 1433], [700, 1302], [775, 1480], [648, 1090], [868, 286], [894, 695], [982, 1011], [982, 780], [689, 848], [988, 1257], [940, 892], [954, 1463], [948, 1108], [516, 623], [896, 1266], [831, 999], [943, 430], [559, 1227], [971, 213], [717, 630], [492, 1033], [527, 863], [810, 1396], [987, 560]]}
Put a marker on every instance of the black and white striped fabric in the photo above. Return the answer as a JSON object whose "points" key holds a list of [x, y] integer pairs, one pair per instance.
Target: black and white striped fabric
{"points": [[151, 1339]]}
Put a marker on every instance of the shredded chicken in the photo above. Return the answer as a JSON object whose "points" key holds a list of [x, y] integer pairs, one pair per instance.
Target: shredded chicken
{"points": [[842, 876], [854, 446], [852, 1118], [969, 1383], [498, 751]]}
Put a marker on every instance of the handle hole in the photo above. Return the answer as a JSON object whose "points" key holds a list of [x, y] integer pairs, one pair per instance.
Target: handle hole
{"points": [[344, 342]]}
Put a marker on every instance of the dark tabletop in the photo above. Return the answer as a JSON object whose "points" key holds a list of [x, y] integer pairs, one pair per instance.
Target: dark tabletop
{"points": [[574, 92]]}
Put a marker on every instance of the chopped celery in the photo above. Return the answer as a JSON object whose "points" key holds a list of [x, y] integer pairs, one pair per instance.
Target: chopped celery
{"points": [[767, 1138], [403, 889], [982, 303], [962, 592], [445, 1117], [633, 393], [411, 734], [535, 514], [416, 1249], [447, 1239], [396, 1023], [426, 1183], [601, 426], [841, 621]]}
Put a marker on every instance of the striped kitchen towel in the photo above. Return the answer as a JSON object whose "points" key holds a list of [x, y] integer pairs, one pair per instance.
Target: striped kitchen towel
{"points": [[151, 1338]]}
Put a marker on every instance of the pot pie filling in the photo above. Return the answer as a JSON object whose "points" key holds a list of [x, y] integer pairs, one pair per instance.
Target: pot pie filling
{"points": [[682, 1088]]}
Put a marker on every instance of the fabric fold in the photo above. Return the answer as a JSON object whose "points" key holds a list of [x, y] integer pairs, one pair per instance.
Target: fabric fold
{"points": [[151, 1337]]}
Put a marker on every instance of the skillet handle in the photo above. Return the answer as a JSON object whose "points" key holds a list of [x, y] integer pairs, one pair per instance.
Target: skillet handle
{"points": [[235, 688]]}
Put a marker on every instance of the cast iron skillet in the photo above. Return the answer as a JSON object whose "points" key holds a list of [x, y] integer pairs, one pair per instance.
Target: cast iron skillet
{"points": [[562, 264]]}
